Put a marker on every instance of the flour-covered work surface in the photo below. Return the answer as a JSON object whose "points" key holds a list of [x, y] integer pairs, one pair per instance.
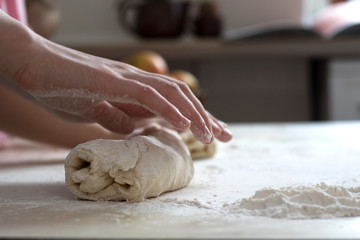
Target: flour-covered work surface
{"points": [[275, 180]]}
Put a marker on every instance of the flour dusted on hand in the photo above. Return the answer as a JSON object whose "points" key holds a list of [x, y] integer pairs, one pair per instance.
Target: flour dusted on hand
{"points": [[301, 202], [143, 166], [197, 149]]}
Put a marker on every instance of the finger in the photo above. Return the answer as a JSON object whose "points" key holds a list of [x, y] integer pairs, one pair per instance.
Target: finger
{"points": [[146, 76], [184, 87], [217, 129], [143, 95], [225, 134], [199, 109], [110, 118], [198, 123], [218, 126], [222, 123], [172, 90]]}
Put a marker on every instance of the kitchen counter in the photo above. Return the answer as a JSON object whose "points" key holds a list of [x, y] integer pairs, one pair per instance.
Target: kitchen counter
{"points": [[35, 202]]}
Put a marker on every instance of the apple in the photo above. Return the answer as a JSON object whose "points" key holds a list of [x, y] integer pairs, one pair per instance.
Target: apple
{"points": [[186, 77], [148, 61]]}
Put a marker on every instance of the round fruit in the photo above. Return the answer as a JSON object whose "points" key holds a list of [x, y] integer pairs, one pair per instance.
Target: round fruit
{"points": [[186, 77], [148, 61]]}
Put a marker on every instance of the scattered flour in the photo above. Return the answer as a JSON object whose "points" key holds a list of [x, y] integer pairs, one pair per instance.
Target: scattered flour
{"points": [[191, 203], [301, 202]]}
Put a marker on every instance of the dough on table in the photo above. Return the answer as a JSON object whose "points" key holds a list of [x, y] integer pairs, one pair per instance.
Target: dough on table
{"points": [[197, 149], [141, 167]]}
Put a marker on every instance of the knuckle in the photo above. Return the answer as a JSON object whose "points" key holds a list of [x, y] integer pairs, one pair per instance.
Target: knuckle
{"points": [[182, 84], [104, 70], [145, 92], [174, 87], [184, 87]]}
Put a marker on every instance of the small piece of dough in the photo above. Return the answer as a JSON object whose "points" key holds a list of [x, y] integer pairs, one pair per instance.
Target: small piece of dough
{"points": [[197, 149], [134, 169]]}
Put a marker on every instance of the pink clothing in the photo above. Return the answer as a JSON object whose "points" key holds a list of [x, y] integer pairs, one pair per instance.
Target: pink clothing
{"points": [[15, 9]]}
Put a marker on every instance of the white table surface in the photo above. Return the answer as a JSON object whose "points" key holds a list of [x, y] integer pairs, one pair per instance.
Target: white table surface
{"points": [[35, 202]]}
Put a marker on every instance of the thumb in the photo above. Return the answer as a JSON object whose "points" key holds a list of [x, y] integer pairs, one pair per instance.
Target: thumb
{"points": [[110, 118]]}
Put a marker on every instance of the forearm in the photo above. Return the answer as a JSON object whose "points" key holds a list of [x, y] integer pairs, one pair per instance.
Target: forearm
{"points": [[24, 119], [15, 42]]}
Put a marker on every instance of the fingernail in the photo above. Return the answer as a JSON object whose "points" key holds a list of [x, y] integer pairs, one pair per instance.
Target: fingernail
{"points": [[216, 129], [208, 136], [185, 123], [228, 134]]}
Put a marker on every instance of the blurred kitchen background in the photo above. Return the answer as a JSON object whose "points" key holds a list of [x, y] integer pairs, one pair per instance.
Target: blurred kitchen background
{"points": [[287, 77]]}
